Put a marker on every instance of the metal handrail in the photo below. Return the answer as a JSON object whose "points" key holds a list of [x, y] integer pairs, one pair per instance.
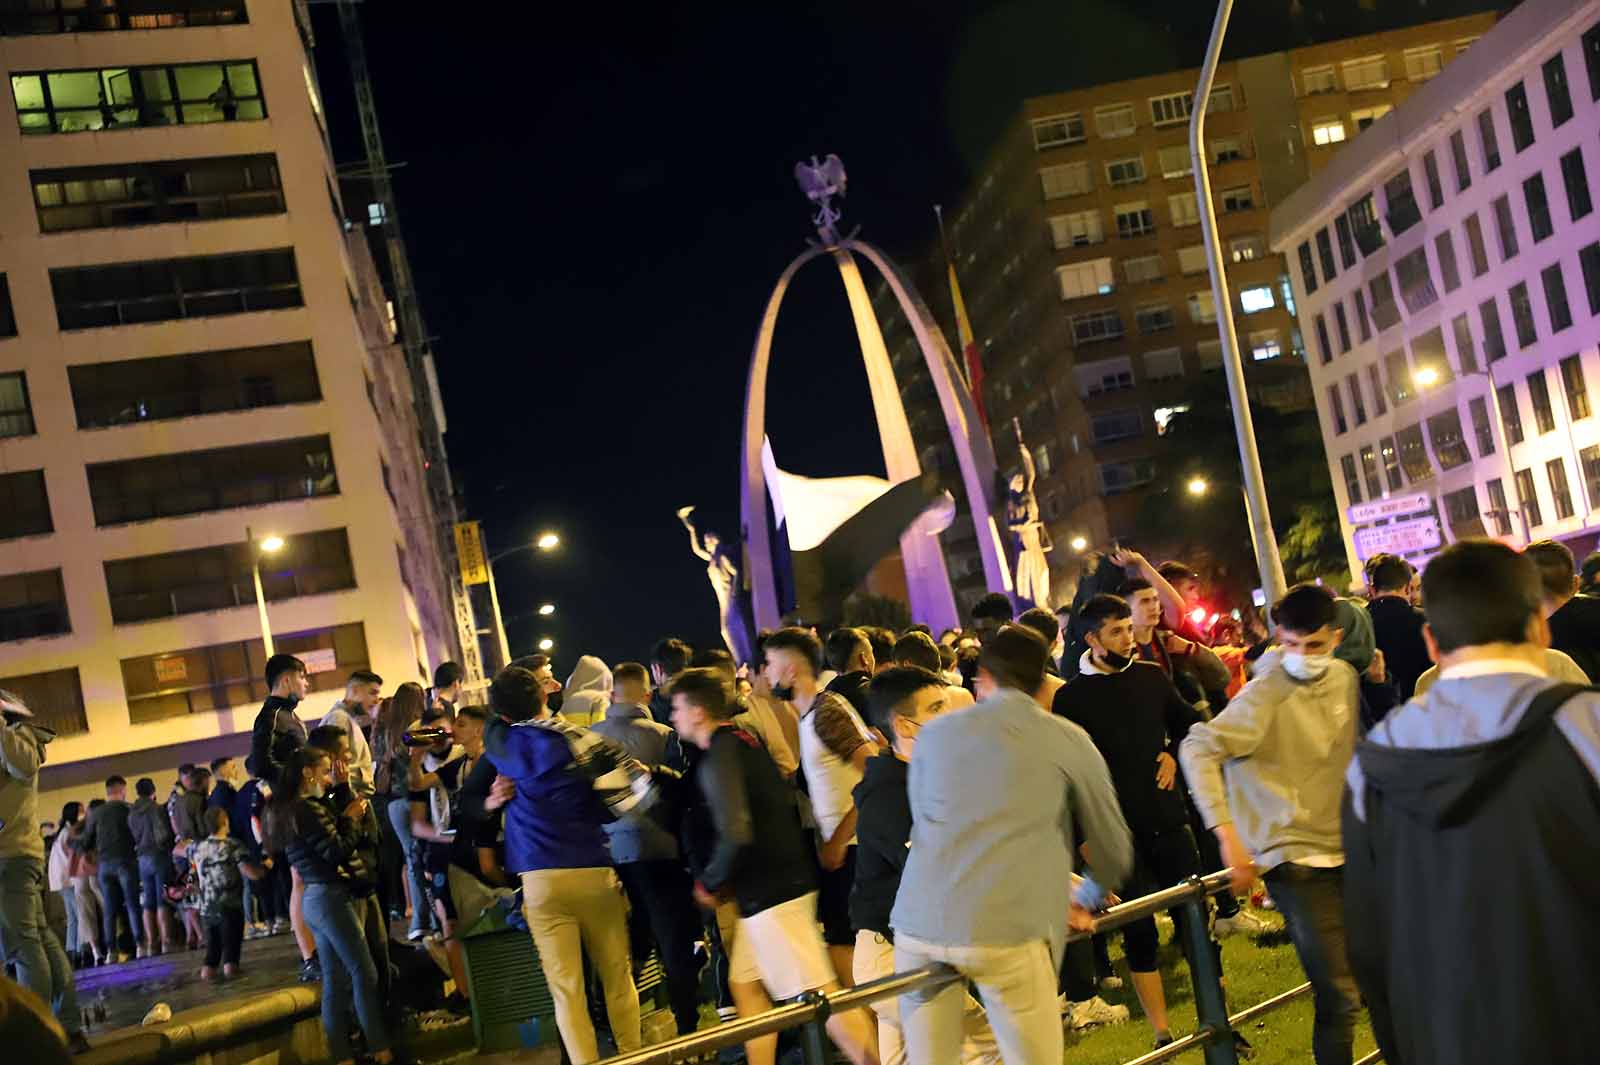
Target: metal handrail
{"points": [[816, 1007]]}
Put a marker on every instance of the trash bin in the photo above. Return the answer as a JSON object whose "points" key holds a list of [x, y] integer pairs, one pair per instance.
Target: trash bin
{"points": [[511, 1005]]}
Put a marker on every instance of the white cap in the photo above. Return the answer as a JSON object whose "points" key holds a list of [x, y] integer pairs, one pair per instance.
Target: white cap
{"points": [[11, 703]]}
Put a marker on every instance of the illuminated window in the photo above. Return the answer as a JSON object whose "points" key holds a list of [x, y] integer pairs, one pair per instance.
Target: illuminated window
{"points": [[1423, 63], [1327, 131], [1056, 130], [1369, 72], [1264, 345], [1249, 247], [1092, 278], [73, 101], [1115, 121], [1256, 299], [1202, 308], [135, 194], [1318, 79], [377, 214]]}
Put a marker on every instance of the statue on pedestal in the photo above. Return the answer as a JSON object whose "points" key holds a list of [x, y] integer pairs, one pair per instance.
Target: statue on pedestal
{"points": [[722, 570], [1032, 539]]}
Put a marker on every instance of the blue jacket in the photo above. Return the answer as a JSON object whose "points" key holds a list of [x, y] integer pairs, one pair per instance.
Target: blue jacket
{"points": [[554, 820]]}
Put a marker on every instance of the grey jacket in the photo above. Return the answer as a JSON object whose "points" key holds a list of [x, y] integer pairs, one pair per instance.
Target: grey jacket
{"points": [[152, 832], [21, 754], [995, 790], [640, 839], [1273, 762]]}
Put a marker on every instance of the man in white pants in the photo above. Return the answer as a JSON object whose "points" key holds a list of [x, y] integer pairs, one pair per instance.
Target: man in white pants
{"points": [[994, 793]]}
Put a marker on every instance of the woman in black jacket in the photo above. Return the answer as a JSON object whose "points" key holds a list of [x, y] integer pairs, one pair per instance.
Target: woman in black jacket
{"points": [[324, 847]]}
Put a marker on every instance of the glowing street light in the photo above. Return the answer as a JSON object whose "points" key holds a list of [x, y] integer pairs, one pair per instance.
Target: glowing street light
{"points": [[270, 544], [1079, 544], [547, 609], [1198, 486], [547, 541], [1426, 377], [546, 644]]}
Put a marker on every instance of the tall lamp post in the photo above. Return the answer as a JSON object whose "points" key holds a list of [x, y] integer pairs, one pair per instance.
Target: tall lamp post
{"points": [[545, 543], [269, 544], [1255, 484]]}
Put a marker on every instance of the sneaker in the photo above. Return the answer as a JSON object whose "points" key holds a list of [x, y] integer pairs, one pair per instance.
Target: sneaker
{"points": [[1240, 922], [310, 970], [1111, 983], [1096, 1011], [416, 935], [280, 925], [1163, 1039]]}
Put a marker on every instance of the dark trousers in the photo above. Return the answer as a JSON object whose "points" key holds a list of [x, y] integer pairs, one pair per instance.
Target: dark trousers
{"points": [[1159, 862], [1211, 861], [119, 888], [224, 937], [663, 893], [1312, 903]]}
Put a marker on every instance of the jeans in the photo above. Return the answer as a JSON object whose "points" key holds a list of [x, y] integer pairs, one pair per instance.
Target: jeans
{"points": [[375, 926], [348, 972], [30, 945], [119, 887], [1312, 903], [1017, 984], [155, 872], [224, 937], [568, 911], [661, 894], [400, 818], [69, 899]]}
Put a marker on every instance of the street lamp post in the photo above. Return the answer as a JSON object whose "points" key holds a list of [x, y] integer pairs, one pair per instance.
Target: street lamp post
{"points": [[270, 544], [544, 543]]}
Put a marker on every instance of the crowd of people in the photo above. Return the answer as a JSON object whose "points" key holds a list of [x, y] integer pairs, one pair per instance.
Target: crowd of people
{"points": [[1408, 778]]}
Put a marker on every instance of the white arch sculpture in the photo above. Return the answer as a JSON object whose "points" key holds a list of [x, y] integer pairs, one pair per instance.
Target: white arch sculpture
{"points": [[932, 598]]}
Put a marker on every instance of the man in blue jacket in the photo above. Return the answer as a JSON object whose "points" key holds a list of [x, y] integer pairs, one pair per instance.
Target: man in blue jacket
{"points": [[571, 896]]}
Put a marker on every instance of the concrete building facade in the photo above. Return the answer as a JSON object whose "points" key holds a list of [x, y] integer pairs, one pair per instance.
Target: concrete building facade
{"points": [[194, 342], [1447, 275], [1079, 251]]}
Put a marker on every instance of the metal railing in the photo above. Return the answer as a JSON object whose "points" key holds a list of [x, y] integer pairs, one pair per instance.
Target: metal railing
{"points": [[811, 1012]]}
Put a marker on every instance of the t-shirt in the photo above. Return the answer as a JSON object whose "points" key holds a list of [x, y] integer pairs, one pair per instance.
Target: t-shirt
{"points": [[830, 734], [216, 862]]}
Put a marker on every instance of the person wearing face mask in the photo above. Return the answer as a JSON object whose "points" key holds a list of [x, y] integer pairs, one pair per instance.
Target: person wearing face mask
{"points": [[1286, 739], [1137, 719]]}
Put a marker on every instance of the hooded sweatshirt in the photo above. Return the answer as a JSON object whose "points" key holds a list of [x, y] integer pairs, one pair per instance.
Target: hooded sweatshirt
{"points": [[1477, 793], [22, 746], [1283, 745], [588, 692]]}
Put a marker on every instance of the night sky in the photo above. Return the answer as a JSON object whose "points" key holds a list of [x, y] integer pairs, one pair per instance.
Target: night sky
{"points": [[597, 204]]}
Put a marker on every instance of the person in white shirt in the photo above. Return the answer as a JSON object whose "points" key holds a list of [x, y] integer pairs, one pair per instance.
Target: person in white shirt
{"points": [[355, 713], [834, 748]]}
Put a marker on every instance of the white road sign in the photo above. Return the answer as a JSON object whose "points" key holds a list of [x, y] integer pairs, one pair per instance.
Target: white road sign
{"points": [[1403, 537], [1379, 509]]}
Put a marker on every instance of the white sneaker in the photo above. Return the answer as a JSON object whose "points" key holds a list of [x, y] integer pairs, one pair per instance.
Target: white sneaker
{"points": [[1111, 983], [415, 935], [1240, 922], [1096, 1011]]}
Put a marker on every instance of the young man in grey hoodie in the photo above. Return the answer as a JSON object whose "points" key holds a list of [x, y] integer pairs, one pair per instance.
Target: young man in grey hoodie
{"points": [[1286, 740], [30, 945], [1472, 836]]}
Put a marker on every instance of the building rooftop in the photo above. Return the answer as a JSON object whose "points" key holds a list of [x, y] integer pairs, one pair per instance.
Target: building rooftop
{"points": [[1499, 53]]}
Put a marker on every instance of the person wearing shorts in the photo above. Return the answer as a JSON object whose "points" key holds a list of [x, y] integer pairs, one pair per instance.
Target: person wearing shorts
{"points": [[761, 857]]}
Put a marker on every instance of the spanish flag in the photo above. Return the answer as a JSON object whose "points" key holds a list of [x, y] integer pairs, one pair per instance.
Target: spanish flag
{"points": [[971, 357]]}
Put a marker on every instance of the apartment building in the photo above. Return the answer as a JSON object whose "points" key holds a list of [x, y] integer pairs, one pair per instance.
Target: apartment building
{"points": [[1079, 251], [1448, 269], [196, 354]]}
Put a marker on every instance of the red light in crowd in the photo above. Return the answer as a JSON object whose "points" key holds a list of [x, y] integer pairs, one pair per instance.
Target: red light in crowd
{"points": [[1212, 620], [1197, 615]]}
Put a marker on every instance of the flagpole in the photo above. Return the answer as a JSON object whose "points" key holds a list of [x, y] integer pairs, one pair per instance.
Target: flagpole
{"points": [[971, 357]]}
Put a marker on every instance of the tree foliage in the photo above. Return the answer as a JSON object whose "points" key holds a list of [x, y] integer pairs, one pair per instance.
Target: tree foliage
{"points": [[1212, 529]]}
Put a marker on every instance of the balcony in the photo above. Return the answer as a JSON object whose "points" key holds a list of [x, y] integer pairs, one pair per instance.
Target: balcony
{"points": [[25, 18]]}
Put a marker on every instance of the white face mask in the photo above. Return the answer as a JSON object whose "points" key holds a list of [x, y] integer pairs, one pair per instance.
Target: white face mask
{"points": [[1306, 667]]}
